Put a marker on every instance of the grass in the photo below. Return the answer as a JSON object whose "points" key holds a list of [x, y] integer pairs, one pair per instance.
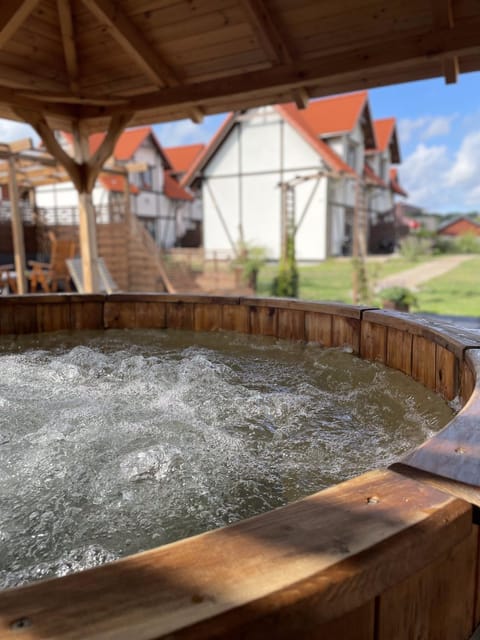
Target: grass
{"points": [[454, 293], [332, 280]]}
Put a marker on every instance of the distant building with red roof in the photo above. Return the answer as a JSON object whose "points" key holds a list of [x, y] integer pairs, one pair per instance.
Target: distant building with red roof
{"points": [[156, 196], [331, 145], [460, 226]]}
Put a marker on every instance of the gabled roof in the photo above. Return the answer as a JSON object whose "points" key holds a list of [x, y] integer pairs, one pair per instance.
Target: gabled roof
{"points": [[290, 114], [464, 219], [372, 177], [295, 118], [173, 190], [116, 183], [395, 184], [182, 158], [205, 155], [386, 136], [127, 144], [335, 115]]}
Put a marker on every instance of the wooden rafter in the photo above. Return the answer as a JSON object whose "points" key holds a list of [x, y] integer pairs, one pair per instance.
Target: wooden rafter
{"points": [[301, 97], [64, 9], [442, 11], [12, 16], [105, 150], [41, 126], [387, 54], [267, 32], [133, 42]]}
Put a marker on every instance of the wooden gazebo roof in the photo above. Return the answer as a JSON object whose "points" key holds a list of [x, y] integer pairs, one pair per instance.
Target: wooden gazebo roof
{"points": [[159, 60]]}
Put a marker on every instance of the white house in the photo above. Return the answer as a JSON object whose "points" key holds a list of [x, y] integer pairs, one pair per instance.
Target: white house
{"points": [[156, 198], [325, 150]]}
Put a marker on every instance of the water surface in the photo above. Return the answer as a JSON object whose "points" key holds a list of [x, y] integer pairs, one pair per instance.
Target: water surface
{"points": [[115, 442]]}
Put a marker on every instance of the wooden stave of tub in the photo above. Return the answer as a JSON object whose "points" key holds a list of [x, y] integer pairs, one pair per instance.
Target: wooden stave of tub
{"points": [[391, 554]]}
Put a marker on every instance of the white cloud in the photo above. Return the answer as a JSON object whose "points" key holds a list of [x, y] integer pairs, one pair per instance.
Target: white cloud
{"points": [[466, 168], [425, 127], [177, 133], [422, 172], [11, 130]]}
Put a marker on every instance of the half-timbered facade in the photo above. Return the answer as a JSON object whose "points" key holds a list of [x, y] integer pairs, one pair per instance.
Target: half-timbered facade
{"points": [[332, 154]]}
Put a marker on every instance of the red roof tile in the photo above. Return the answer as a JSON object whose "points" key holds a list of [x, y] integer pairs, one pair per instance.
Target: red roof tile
{"points": [[373, 177], [296, 119], [174, 190], [338, 114], [127, 144], [395, 184], [116, 183], [383, 132], [182, 158]]}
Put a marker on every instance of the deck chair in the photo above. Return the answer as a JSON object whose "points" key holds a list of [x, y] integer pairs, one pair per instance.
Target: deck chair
{"points": [[47, 276]]}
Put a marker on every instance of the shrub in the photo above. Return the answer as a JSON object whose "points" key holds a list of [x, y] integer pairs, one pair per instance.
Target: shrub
{"points": [[399, 296], [468, 243], [413, 247]]}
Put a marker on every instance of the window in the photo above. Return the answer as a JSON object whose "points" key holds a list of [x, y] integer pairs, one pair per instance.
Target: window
{"points": [[146, 179], [352, 155]]}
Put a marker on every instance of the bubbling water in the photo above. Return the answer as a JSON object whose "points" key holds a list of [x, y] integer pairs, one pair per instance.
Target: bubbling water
{"points": [[117, 442]]}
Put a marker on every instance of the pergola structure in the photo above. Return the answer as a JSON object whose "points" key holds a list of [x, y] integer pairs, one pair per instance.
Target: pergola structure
{"points": [[90, 65]]}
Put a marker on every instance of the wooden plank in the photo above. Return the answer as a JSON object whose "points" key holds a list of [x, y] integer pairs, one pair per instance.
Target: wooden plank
{"points": [[424, 361], [267, 32], [291, 324], [263, 321], [14, 13], [86, 315], [53, 317], [438, 602], [207, 317], [467, 379], [476, 618], [180, 315], [7, 314], [399, 350], [150, 315], [373, 341], [119, 315], [68, 39], [17, 229], [346, 333], [235, 317], [25, 318], [318, 328], [270, 572], [446, 368], [133, 42]]}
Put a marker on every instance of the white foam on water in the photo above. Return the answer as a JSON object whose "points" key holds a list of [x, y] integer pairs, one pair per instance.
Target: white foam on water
{"points": [[117, 443]]}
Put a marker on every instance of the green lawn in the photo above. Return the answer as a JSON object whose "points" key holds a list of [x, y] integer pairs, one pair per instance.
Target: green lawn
{"points": [[332, 280], [454, 293]]}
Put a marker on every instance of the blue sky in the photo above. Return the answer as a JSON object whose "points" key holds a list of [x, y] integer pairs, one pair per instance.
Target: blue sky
{"points": [[439, 129]]}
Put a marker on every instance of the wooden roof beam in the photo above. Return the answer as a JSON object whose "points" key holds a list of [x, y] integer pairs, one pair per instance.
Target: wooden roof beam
{"points": [[64, 9], [267, 32], [13, 15], [387, 54], [105, 150], [132, 40], [443, 18], [41, 126]]}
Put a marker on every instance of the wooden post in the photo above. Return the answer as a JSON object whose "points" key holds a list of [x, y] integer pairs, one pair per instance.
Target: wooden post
{"points": [[17, 229]]}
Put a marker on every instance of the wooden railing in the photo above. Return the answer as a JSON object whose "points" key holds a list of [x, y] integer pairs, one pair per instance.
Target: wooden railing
{"points": [[392, 554]]}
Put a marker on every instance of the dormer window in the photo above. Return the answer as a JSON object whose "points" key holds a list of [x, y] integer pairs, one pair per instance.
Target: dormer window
{"points": [[146, 179]]}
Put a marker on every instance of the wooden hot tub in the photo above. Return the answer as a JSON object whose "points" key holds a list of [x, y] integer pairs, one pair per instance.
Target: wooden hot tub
{"points": [[390, 554]]}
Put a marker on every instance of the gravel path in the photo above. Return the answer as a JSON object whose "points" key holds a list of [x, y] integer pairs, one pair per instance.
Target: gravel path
{"points": [[412, 278]]}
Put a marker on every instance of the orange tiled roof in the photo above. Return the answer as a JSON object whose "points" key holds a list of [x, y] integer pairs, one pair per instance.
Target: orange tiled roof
{"points": [[395, 184], [296, 118], [112, 182], [373, 177], [383, 132], [174, 190], [182, 158], [337, 114], [126, 145]]}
